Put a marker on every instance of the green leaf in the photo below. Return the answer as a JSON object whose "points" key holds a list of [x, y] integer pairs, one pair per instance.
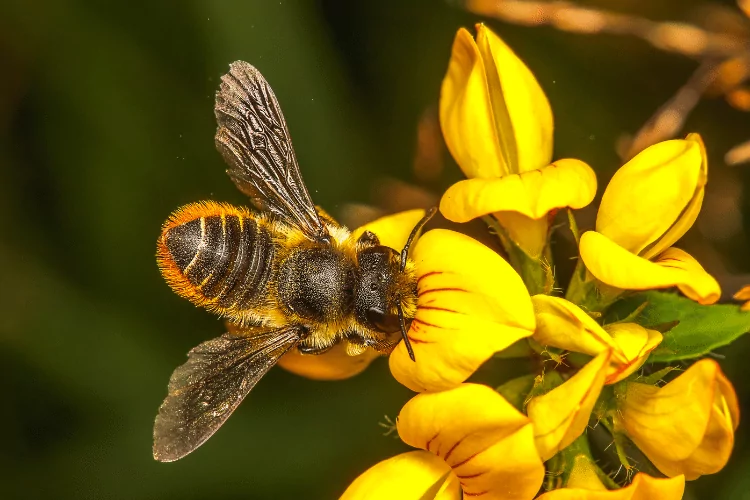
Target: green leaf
{"points": [[698, 331]]}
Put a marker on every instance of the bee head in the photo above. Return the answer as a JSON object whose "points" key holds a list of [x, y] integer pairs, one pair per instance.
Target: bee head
{"points": [[385, 285], [375, 294]]}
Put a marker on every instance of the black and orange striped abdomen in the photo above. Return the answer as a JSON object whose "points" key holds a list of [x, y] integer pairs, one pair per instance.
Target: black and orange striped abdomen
{"points": [[219, 257]]}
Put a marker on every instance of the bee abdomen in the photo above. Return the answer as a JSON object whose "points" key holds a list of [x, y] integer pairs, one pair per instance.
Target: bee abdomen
{"points": [[226, 259]]}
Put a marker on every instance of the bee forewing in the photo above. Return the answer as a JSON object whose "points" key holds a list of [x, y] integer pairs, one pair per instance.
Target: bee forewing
{"points": [[254, 140]]}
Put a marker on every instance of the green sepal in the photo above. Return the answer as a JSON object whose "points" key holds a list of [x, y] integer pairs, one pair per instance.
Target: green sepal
{"points": [[577, 454], [516, 390], [653, 378], [536, 273], [544, 383], [699, 329], [573, 226]]}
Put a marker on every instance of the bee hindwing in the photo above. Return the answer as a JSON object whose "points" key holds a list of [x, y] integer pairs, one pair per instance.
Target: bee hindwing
{"points": [[205, 390]]}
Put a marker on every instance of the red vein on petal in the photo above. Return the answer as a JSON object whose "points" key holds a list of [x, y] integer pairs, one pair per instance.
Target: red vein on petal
{"points": [[427, 446], [459, 464], [471, 476], [662, 264], [419, 341], [435, 308], [421, 322], [447, 455], [434, 290], [431, 273], [667, 259]]}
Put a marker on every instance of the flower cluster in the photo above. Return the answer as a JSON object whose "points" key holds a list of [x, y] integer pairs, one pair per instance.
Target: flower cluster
{"points": [[598, 353]]}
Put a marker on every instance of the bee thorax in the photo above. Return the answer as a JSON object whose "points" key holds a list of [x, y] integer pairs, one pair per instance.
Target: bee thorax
{"points": [[316, 284]]}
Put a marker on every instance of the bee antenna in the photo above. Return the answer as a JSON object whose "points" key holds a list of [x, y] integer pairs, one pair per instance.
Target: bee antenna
{"points": [[405, 253], [402, 324]]}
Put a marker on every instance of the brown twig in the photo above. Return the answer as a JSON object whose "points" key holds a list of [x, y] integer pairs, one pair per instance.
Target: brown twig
{"points": [[670, 117]]}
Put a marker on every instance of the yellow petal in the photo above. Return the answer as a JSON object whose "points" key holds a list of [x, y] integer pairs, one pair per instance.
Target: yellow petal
{"points": [[687, 218], [335, 364], [392, 230], [643, 487], [635, 343], [413, 475], [562, 414], [463, 317], [615, 266], [562, 324], [687, 426], [654, 198], [743, 293], [466, 114], [565, 183], [488, 443], [522, 112]]}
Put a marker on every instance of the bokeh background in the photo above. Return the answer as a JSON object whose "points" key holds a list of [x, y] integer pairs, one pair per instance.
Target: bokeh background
{"points": [[106, 126]]}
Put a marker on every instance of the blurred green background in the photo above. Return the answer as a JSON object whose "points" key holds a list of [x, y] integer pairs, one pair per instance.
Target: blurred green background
{"points": [[106, 126]]}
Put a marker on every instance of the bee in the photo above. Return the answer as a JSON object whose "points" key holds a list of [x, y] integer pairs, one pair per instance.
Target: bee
{"points": [[284, 275]]}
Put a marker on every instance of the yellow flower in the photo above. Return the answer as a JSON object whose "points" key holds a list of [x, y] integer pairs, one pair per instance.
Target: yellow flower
{"points": [[648, 205], [687, 426], [497, 124], [471, 304], [643, 487], [562, 414], [482, 442], [336, 364], [564, 325], [416, 474]]}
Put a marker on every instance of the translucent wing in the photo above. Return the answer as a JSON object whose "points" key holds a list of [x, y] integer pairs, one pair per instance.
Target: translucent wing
{"points": [[254, 141], [211, 384]]}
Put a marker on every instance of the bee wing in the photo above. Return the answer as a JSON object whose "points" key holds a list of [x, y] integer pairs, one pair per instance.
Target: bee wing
{"points": [[205, 390], [254, 141]]}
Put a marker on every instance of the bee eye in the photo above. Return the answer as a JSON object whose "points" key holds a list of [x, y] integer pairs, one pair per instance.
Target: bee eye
{"points": [[381, 321]]}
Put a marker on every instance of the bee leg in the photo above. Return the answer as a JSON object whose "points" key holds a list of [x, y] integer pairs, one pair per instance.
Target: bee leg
{"points": [[356, 338], [309, 349]]}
